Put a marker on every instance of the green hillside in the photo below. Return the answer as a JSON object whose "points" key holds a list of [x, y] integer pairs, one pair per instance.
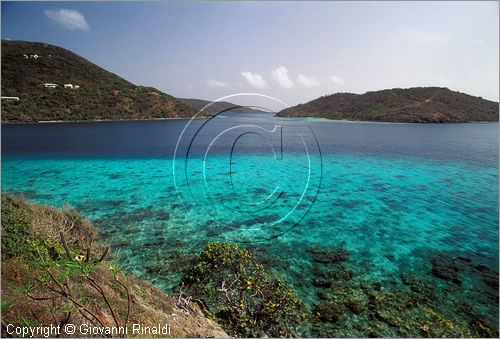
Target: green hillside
{"points": [[418, 104], [27, 66]]}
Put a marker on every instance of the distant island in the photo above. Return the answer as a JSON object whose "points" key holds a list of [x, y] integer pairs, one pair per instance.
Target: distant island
{"points": [[417, 105], [218, 106], [42, 82]]}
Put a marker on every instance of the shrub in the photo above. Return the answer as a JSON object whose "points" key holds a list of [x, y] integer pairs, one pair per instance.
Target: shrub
{"points": [[27, 226], [16, 224], [240, 295]]}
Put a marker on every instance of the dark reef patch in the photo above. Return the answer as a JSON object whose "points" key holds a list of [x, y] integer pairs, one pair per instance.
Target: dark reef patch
{"points": [[328, 256], [445, 267]]}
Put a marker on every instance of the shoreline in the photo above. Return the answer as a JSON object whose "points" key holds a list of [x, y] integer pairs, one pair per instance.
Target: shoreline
{"points": [[314, 119], [91, 121], [386, 122]]}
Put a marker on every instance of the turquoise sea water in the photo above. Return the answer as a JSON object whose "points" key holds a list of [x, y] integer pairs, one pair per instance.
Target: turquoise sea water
{"points": [[392, 212]]}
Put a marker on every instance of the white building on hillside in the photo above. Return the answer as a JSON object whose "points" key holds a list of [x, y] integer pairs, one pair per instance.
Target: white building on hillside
{"points": [[50, 85], [10, 98]]}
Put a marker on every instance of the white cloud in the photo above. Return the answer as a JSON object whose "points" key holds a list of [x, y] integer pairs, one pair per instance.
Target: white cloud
{"points": [[216, 83], [307, 81], [338, 80], [280, 74], [67, 18], [421, 36], [256, 80]]}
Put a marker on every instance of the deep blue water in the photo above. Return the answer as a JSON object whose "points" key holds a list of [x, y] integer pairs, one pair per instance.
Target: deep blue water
{"points": [[395, 196], [143, 139]]}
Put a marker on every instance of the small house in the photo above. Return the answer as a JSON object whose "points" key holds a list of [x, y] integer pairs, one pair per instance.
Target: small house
{"points": [[10, 98], [68, 86], [76, 86], [50, 85]]}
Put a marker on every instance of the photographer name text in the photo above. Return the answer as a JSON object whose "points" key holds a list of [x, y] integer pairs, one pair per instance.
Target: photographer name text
{"points": [[86, 329]]}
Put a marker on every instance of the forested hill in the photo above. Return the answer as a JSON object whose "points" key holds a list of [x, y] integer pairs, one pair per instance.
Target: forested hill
{"points": [[95, 94], [419, 104]]}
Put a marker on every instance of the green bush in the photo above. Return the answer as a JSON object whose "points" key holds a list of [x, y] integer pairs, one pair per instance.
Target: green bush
{"points": [[18, 238], [16, 224], [240, 295], [33, 231]]}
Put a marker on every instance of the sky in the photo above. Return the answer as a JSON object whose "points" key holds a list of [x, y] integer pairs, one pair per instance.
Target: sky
{"points": [[293, 51]]}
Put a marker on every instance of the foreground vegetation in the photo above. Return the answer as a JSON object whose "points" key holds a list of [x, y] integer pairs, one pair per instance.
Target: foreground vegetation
{"points": [[55, 271], [239, 294]]}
